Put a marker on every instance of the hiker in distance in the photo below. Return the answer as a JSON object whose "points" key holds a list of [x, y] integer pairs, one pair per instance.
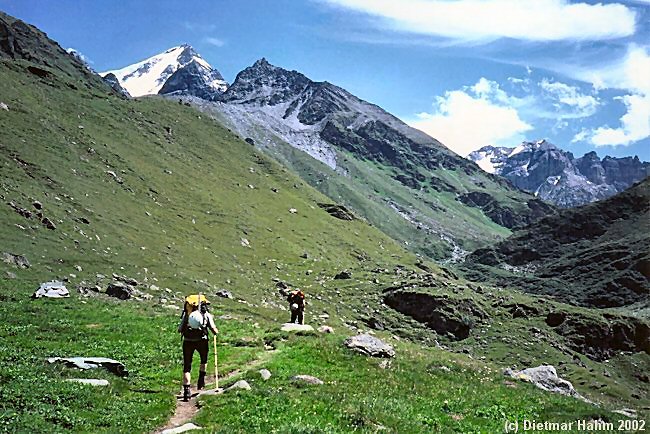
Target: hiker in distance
{"points": [[195, 323], [296, 301]]}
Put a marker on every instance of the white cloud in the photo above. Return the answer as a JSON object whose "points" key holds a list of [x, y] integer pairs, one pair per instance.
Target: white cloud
{"points": [[630, 74], [214, 41], [635, 124], [479, 115], [485, 20]]}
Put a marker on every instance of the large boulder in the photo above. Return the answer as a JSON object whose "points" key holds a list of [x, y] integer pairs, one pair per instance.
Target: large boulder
{"points": [[119, 290], [16, 260], [110, 365], [291, 327], [545, 377], [370, 346], [52, 289]]}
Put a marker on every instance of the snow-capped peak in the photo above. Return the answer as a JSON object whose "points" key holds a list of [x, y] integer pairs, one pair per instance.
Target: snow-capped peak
{"points": [[148, 76]]}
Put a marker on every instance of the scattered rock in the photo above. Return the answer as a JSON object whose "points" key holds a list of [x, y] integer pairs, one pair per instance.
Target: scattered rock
{"points": [[16, 260], [370, 346], [37, 205], [291, 327], [224, 294], [325, 329], [293, 210], [338, 211], [110, 365], [125, 279], [115, 177], [89, 381], [345, 274], [241, 384], [4, 106], [306, 380], [181, 429], [545, 377], [48, 223], [22, 211], [249, 141], [52, 289], [245, 243], [119, 290], [10, 275], [78, 268], [265, 374]]}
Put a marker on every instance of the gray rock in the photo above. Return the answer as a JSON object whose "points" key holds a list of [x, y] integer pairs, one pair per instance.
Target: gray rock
{"points": [[4, 106], [224, 294], [89, 381], [306, 380], [110, 365], [345, 274], [370, 346], [325, 329], [10, 275], [181, 429], [16, 260], [48, 223], [265, 374], [125, 279], [52, 289], [289, 327], [241, 384], [545, 377], [119, 290]]}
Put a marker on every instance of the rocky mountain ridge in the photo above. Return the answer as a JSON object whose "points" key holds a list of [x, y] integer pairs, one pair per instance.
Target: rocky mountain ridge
{"points": [[185, 70], [555, 175]]}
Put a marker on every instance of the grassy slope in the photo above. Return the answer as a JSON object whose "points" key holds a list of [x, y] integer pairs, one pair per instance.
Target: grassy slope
{"points": [[198, 170], [369, 188]]}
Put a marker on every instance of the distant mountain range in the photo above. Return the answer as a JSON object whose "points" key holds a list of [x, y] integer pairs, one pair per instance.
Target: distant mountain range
{"points": [[556, 176], [401, 180]]}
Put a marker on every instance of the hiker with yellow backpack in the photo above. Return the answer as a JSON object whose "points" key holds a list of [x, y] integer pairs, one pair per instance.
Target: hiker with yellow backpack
{"points": [[195, 323]]}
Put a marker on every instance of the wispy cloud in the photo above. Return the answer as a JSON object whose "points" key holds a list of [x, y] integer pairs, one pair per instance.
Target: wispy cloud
{"points": [[487, 20], [570, 98], [214, 41]]}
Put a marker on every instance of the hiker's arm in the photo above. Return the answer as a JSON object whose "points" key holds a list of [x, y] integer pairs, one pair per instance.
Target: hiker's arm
{"points": [[213, 327]]}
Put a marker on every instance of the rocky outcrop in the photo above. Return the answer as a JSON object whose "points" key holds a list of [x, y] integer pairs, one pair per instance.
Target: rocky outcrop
{"points": [[338, 211], [447, 317], [194, 79], [503, 215], [545, 377], [114, 83], [556, 176]]}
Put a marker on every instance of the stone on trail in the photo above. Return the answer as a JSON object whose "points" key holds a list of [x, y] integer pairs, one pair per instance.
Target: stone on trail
{"points": [[52, 289], [265, 374], [306, 380], [89, 381], [545, 377], [110, 365], [181, 429], [370, 346], [291, 327], [241, 384]]}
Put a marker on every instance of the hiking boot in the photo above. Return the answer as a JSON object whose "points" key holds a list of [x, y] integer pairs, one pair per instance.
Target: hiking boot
{"points": [[201, 383], [186, 392]]}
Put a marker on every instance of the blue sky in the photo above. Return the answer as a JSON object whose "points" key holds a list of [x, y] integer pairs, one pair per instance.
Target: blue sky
{"points": [[468, 72]]}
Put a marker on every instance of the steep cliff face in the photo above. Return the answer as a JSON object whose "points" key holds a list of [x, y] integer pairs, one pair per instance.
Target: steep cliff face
{"points": [[557, 176]]}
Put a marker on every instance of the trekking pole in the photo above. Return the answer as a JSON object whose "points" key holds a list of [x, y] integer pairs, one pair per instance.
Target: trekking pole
{"points": [[216, 370]]}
